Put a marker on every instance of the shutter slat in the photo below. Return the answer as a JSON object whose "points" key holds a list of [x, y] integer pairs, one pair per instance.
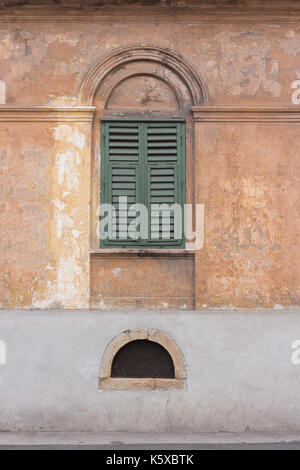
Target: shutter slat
{"points": [[123, 144], [162, 192], [162, 130], [161, 199], [124, 158], [130, 199], [162, 138], [123, 171], [123, 138], [162, 171], [123, 179], [162, 158], [123, 151], [164, 151], [125, 130], [168, 145], [162, 186], [161, 179], [118, 185]]}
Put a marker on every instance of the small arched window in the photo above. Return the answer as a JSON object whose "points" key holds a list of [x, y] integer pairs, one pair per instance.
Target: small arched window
{"points": [[142, 359]]}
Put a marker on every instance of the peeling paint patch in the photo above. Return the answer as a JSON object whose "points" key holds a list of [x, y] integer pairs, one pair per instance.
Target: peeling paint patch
{"points": [[116, 272], [75, 233], [6, 47], [244, 65], [49, 267], [66, 163], [274, 67], [291, 45], [63, 221], [278, 307], [255, 195], [70, 135], [66, 273], [2, 92], [71, 40], [273, 88]]}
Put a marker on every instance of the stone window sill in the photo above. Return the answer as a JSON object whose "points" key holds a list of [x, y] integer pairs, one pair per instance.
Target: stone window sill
{"points": [[112, 383], [150, 252]]}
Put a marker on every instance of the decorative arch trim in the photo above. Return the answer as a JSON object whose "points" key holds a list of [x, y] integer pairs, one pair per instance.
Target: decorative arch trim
{"points": [[106, 382], [133, 53]]}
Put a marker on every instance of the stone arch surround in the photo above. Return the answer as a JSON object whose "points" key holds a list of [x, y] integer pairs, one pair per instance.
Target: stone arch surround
{"points": [[113, 62], [106, 382]]}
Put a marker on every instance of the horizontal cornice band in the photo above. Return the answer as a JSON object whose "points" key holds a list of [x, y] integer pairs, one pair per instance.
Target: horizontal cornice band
{"points": [[45, 113], [200, 113], [226, 114], [145, 14]]}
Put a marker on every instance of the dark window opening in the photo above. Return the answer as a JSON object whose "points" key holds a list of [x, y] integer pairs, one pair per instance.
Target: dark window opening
{"points": [[143, 359]]}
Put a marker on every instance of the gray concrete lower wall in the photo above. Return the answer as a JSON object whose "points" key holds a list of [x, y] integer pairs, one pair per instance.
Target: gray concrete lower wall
{"points": [[240, 373]]}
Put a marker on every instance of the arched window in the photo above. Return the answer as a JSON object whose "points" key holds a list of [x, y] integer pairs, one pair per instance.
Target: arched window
{"points": [[143, 96], [143, 358]]}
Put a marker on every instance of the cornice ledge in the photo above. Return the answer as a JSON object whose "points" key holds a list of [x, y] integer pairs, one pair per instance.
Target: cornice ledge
{"points": [[247, 114], [46, 113], [225, 15]]}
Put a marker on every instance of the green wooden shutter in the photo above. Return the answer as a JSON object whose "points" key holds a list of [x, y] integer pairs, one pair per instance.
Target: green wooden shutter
{"points": [[144, 161], [121, 148], [165, 172]]}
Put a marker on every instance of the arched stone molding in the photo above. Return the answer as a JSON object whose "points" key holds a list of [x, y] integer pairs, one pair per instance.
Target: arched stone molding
{"points": [[106, 382], [172, 63]]}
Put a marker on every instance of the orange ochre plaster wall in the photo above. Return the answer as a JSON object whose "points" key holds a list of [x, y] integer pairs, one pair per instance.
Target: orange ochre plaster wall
{"points": [[248, 180], [247, 174]]}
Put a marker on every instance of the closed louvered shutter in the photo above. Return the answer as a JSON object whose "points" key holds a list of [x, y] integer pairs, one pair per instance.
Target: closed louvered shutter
{"points": [[164, 173], [143, 161], [120, 173]]}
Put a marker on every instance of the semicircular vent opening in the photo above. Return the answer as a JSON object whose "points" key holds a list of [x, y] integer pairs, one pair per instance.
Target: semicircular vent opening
{"points": [[143, 359]]}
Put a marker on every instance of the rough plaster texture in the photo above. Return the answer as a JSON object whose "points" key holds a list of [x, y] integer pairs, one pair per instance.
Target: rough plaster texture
{"points": [[246, 175], [45, 171], [239, 372], [138, 282], [44, 63], [251, 255]]}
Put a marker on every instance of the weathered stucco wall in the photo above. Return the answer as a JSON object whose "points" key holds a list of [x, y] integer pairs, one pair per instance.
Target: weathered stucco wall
{"points": [[142, 282], [248, 179], [45, 192], [240, 63], [247, 175]]}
